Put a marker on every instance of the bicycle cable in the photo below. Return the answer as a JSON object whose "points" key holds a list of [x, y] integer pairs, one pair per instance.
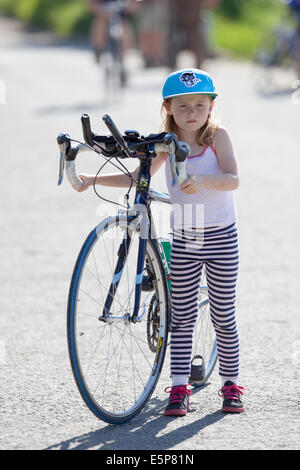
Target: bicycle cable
{"points": [[126, 172], [103, 198]]}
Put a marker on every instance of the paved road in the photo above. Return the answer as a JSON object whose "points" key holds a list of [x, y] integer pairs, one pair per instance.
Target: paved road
{"points": [[42, 226]]}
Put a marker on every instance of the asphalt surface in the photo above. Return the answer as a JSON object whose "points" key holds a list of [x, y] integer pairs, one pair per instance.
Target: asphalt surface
{"points": [[48, 85]]}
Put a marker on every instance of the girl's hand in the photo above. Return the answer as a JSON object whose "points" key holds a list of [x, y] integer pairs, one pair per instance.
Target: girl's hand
{"points": [[88, 180], [191, 185]]}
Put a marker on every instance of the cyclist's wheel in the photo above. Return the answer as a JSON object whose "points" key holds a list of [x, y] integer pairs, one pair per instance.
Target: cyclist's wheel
{"points": [[275, 80], [276, 70], [112, 75], [115, 365], [204, 353]]}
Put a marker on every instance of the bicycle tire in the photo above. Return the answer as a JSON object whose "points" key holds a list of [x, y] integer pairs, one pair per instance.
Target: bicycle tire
{"points": [[276, 62], [112, 72], [114, 391], [204, 344]]}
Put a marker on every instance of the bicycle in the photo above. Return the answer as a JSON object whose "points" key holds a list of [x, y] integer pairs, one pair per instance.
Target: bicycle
{"points": [[111, 63], [119, 298], [277, 57]]}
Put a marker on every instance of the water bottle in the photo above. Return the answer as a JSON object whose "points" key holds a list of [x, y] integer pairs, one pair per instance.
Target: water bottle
{"points": [[166, 257]]}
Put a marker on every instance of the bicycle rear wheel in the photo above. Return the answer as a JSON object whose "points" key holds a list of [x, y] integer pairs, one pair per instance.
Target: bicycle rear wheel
{"points": [[112, 72], [115, 365], [204, 352], [276, 62]]}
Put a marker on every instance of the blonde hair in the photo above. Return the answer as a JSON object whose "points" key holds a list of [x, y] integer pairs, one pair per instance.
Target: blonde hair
{"points": [[206, 132]]}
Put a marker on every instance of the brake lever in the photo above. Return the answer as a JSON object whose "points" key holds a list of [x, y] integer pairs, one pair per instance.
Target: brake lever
{"points": [[182, 153], [173, 169], [61, 168], [178, 163], [63, 141]]}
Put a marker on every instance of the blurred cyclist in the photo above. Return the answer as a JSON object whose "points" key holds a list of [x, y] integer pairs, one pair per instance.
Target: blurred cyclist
{"points": [[185, 30], [100, 22], [152, 21], [188, 29]]}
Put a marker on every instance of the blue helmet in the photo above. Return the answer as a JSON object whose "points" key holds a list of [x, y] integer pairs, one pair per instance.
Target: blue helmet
{"points": [[188, 81]]}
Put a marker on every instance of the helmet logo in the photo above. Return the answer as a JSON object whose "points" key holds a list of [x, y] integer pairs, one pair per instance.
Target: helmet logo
{"points": [[189, 79]]}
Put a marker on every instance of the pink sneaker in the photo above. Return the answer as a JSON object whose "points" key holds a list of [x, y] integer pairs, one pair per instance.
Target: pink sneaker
{"points": [[231, 393], [178, 401]]}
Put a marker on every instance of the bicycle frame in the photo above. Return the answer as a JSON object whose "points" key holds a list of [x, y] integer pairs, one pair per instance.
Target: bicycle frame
{"points": [[140, 216]]}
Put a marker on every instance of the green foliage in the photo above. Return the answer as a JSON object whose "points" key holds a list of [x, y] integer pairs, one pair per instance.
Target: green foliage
{"points": [[64, 17], [242, 35], [239, 9], [232, 8], [8, 6]]}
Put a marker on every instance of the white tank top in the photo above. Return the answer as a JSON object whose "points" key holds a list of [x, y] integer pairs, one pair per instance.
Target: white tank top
{"points": [[207, 207]]}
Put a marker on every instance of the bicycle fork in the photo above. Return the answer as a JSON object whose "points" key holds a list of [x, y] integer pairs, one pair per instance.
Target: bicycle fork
{"points": [[139, 219]]}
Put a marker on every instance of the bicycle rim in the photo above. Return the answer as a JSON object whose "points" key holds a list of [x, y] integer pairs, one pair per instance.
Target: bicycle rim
{"points": [[115, 368], [110, 77], [204, 343]]}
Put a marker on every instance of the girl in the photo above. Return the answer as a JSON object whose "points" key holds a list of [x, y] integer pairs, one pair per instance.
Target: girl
{"points": [[204, 232]]}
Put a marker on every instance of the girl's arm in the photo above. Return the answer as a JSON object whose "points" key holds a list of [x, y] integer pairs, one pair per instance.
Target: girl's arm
{"points": [[228, 180], [120, 180]]}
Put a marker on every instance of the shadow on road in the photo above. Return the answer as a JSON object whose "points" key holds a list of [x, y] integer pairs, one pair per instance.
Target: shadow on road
{"points": [[76, 108], [145, 432], [102, 100], [279, 92]]}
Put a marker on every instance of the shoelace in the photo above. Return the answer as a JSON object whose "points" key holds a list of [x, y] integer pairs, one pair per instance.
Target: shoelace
{"points": [[177, 393], [231, 392]]}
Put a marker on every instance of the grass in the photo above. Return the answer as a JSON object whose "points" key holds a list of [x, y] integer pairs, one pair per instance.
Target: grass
{"points": [[64, 17], [67, 19], [241, 37]]}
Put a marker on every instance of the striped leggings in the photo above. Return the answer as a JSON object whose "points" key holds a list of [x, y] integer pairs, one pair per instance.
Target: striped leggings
{"points": [[217, 248]]}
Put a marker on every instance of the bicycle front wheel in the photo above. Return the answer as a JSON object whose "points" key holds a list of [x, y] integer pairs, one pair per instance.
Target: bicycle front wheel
{"points": [[116, 362]]}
